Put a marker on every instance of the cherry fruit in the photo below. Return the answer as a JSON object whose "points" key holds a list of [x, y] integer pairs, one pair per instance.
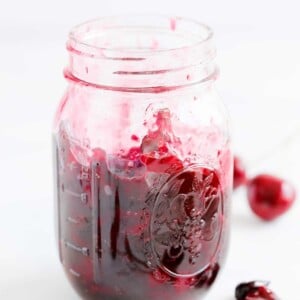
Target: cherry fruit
{"points": [[239, 173], [254, 290], [269, 196]]}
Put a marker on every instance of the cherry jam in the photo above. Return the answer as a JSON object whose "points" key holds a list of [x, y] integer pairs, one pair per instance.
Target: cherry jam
{"points": [[143, 163], [136, 226]]}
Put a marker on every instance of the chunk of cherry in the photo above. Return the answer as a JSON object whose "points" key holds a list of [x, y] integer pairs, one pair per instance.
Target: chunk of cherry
{"points": [[254, 290], [269, 197]]}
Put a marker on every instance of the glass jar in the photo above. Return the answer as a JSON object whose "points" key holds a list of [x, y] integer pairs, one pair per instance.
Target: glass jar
{"points": [[143, 161]]}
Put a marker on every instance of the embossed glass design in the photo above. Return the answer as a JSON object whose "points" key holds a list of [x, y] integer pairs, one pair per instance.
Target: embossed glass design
{"points": [[143, 163]]}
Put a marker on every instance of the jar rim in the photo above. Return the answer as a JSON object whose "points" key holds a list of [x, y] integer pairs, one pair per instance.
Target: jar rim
{"points": [[76, 43], [141, 52]]}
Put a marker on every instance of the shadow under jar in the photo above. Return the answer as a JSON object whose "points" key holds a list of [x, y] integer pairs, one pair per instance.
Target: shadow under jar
{"points": [[143, 163]]}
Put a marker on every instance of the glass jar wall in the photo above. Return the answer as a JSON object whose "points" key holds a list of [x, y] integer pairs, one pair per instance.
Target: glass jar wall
{"points": [[143, 161]]}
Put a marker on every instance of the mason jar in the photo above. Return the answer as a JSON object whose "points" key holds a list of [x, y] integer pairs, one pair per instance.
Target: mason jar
{"points": [[143, 161]]}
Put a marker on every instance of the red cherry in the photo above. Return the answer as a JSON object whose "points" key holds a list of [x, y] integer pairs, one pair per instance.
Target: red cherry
{"points": [[239, 173], [269, 196], [254, 290], [261, 293]]}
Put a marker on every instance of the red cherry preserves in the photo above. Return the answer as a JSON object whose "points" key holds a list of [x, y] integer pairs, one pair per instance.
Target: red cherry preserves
{"points": [[143, 161]]}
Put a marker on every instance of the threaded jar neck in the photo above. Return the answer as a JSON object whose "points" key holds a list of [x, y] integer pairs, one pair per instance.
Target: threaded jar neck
{"points": [[141, 53]]}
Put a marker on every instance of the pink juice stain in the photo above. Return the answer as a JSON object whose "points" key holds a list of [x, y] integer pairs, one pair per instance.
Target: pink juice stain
{"points": [[173, 24], [140, 224]]}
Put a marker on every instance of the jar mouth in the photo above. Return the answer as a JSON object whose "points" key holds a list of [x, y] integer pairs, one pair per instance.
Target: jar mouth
{"points": [[141, 53], [137, 36]]}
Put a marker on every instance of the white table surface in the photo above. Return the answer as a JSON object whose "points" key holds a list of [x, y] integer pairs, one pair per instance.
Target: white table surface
{"points": [[259, 56]]}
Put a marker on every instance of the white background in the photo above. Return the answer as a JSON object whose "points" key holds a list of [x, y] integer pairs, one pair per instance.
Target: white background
{"points": [[259, 56]]}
